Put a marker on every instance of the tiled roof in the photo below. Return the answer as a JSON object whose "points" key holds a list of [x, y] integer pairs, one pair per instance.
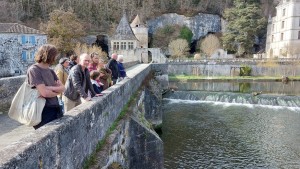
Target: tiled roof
{"points": [[124, 31], [18, 28]]}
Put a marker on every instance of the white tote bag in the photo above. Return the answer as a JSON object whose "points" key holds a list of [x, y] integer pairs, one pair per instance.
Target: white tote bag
{"points": [[27, 106]]}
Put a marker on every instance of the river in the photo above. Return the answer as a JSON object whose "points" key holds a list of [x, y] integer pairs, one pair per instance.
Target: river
{"points": [[201, 132]]}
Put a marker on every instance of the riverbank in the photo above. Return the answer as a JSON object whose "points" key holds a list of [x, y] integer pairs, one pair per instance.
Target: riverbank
{"points": [[184, 78]]}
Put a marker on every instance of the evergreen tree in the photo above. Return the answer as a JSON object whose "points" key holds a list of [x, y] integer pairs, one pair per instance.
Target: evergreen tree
{"points": [[64, 30], [244, 23], [186, 33]]}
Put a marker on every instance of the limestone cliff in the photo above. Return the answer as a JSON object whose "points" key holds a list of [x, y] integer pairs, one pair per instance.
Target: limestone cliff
{"points": [[200, 24]]}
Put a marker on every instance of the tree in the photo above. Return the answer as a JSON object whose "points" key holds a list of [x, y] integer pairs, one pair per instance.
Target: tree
{"points": [[293, 51], [163, 36], [64, 30], [244, 23], [179, 48], [186, 33], [210, 44], [83, 48]]}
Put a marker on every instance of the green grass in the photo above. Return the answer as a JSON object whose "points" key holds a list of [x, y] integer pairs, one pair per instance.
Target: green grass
{"points": [[194, 77], [91, 160]]}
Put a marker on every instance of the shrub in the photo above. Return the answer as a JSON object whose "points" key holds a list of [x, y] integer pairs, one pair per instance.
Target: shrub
{"points": [[245, 71]]}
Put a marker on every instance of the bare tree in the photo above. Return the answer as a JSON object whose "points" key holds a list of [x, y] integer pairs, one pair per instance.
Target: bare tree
{"points": [[210, 44], [179, 48], [293, 51]]}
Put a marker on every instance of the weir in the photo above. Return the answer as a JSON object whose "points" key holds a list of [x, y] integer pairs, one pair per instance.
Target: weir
{"points": [[242, 98]]}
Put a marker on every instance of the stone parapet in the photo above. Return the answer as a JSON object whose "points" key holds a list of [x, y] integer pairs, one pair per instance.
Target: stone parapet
{"points": [[67, 142], [8, 88]]}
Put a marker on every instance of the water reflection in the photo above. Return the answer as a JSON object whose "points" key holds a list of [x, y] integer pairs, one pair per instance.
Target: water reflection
{"points": [[291, 88], [198, 134]]}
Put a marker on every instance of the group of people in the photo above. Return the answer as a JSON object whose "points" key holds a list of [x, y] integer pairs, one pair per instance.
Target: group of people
{"points": [[75, 80]]}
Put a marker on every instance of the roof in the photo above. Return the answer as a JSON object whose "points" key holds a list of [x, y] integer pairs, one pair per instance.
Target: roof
{"points": [[137, 21], [124, 31], [18, 28]]}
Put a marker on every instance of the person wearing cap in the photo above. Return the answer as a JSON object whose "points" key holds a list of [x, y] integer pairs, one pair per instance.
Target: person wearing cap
{"points": [[62, 73]]}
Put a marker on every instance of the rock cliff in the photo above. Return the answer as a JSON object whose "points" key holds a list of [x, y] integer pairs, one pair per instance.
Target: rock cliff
{"points": [[200, 24]]}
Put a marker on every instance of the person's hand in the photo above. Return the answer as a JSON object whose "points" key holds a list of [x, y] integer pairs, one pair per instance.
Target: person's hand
{"points": [[58, 83]]}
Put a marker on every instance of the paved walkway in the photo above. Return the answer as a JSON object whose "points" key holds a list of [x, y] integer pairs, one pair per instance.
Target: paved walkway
{"points": [[11, 131]]}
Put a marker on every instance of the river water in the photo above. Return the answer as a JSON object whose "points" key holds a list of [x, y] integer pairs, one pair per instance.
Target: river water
{"points": [[200, 132]]}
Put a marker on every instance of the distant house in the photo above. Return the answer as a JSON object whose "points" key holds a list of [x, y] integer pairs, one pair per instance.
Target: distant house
{"points": [[124, 41], [18, 45], [131, 41], [283, 37]]}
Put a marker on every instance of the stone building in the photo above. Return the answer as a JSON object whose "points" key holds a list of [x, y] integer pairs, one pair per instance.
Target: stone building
{"points": [[131, 41], [18, 44], [124, 41], [283, 37], [140, 31]]}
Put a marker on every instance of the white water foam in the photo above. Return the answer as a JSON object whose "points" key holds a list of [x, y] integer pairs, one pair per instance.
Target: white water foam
{"points": [[226, 104]]}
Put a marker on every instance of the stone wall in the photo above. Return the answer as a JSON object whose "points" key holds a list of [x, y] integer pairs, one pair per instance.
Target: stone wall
{"points": [[11, 50], [67, 142], [226, 68], [135, 144], [8, 88]]}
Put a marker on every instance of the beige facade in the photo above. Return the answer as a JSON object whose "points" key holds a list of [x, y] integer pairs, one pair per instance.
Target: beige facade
{"points": [[140, 31], [131, 41], [283, 37]]}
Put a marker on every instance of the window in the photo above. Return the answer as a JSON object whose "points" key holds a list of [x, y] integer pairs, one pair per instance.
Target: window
{"points": [[282, 24], [25, 39], [24, 55], [272, 40], [298, 34], [273, 28], [299, 21], [123, 45], [116, 46], [30, 55], [130, 45], [281, 37], [283, 12]]}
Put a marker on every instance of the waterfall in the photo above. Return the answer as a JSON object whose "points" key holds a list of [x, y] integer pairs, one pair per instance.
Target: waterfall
{"points": [[228, 97]]}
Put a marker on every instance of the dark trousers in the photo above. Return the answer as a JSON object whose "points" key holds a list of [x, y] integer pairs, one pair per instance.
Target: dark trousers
{"points": [[114, 81], [49, 114]]}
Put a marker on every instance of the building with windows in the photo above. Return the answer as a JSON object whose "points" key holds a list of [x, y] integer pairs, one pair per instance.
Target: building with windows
{"points": [[124, 41], [18, 44], [283, 37], [131, 41]]}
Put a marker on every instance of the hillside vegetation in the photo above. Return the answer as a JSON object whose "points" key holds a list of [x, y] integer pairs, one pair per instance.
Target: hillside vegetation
{"points": [[103, 15]]}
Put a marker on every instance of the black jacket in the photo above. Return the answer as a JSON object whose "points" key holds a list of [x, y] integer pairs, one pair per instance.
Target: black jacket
{"points": [[113, 66], [78, 84]]}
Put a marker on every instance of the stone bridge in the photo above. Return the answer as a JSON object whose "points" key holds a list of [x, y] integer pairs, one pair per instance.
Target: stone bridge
{"points": [[70, 141]]}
